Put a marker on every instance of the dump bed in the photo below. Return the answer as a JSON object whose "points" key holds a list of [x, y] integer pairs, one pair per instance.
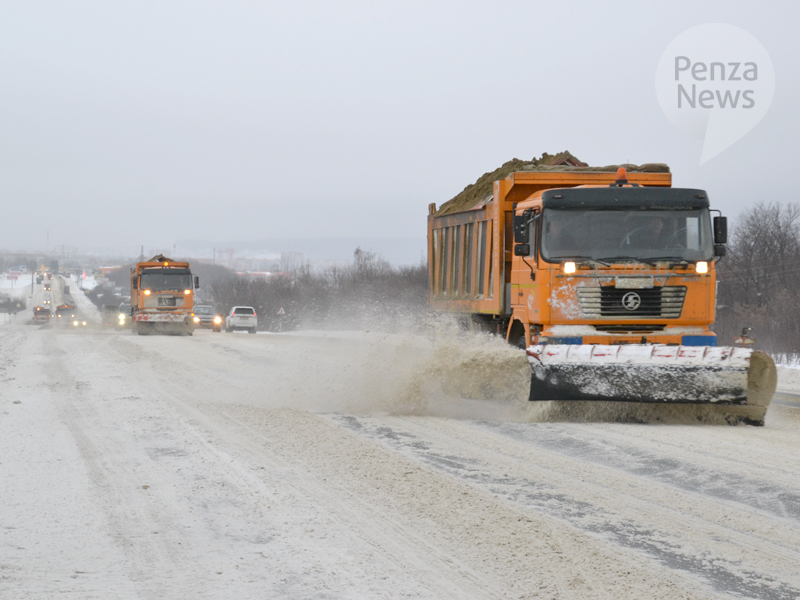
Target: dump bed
{"points": [[470, 241]]}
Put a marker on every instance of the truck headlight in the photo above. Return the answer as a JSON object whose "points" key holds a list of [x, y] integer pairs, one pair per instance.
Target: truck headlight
{"points": [[75, 323], [569, 267], [197, 319], [702, 267], [217, 320]]}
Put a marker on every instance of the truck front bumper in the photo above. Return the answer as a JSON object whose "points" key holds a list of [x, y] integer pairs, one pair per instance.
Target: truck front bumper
{"points": [[622, 339], [161, 318]]}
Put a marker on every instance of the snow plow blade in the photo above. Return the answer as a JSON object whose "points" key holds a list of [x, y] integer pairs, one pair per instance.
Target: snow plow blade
{"points": [[655, 374]]}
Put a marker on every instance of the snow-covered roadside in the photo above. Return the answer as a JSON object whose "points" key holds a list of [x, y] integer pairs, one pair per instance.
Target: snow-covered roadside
{"points": [[85, 306], [788, 378], [88, 282], [15, 288]]}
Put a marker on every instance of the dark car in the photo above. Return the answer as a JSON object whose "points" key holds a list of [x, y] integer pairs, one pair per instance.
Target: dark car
{"points": [[207, 317]]}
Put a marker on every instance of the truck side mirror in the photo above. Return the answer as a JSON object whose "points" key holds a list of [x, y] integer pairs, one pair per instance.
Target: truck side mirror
{"points": [[135, 283], [521, 223], [720, 230], [520, 229], [720, 249], [196, 282], [522, 249]]}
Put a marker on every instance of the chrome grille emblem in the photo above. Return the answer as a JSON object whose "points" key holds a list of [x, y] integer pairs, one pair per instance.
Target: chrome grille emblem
{"points": [[631, 301]]}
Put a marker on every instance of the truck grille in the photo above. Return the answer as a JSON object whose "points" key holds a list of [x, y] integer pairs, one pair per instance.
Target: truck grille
{"points": [[610, 302]]}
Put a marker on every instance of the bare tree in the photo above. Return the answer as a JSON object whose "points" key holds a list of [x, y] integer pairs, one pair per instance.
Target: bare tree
{"points": [[369, 292], [759, 279]]}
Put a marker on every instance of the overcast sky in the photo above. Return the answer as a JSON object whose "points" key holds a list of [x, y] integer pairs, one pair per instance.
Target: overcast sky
{"points": [[128, 123]]}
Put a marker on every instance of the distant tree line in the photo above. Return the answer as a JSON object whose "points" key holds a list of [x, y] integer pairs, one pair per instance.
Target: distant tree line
{"points": [[11, 304], [759, 279], [369, 292]]}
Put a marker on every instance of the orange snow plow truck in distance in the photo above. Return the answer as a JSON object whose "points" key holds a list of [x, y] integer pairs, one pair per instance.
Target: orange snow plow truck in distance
{"points": [[162, 297], [606, 278]]}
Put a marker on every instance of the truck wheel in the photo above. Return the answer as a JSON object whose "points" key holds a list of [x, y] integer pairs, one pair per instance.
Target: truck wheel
{"points": [[251, 330]]}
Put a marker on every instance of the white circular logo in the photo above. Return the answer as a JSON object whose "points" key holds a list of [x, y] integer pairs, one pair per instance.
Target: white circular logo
{"points": [[715, 82], [631, 301]]}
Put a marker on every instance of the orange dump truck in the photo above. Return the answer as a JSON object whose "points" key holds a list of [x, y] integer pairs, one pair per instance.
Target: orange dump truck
{"points": [[162, 297], [607, 278]]}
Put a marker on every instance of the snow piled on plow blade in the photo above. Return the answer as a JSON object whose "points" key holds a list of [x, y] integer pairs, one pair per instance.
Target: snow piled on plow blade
{"points": [[656, 374]]}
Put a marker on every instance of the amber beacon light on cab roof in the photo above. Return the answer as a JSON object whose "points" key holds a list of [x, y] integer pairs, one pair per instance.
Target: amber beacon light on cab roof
{"points": [[606, 276]]}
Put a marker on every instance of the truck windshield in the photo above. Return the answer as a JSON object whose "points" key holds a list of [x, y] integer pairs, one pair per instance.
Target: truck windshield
{"points": [[163, 280], [627, 234]]}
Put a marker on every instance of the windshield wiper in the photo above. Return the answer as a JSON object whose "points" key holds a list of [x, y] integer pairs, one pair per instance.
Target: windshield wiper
{"points": [[578, 259], [672, 259], [595, 260], [633, 258]]}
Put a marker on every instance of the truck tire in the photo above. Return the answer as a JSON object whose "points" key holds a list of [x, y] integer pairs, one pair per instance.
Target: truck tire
{"points": [[251, 330]]}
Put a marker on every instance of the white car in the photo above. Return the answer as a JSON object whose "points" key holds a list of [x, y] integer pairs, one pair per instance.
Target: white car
{"points": [[241, 317]]}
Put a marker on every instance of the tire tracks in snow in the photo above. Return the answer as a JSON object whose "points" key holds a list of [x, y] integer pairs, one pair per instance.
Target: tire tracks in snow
{"points": [[567, 490]]}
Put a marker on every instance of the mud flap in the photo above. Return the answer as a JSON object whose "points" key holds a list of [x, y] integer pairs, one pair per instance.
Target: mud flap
{"points": [[652, 373]]}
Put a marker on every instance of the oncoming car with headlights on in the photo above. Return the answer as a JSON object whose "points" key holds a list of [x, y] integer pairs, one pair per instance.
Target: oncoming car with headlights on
{"points": [[79, 322], [124, 316], [207, 317]]}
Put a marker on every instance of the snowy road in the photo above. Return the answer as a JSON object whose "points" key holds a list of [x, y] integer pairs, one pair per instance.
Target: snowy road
{"points": [[300, 466]]}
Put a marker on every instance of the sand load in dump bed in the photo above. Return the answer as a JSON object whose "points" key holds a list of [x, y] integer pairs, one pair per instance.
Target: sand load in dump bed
{"points": [[480, 192]]}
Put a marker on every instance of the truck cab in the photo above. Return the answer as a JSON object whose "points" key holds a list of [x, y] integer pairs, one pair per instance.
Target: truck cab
{"points": [[162, 296], [614, 265]]}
